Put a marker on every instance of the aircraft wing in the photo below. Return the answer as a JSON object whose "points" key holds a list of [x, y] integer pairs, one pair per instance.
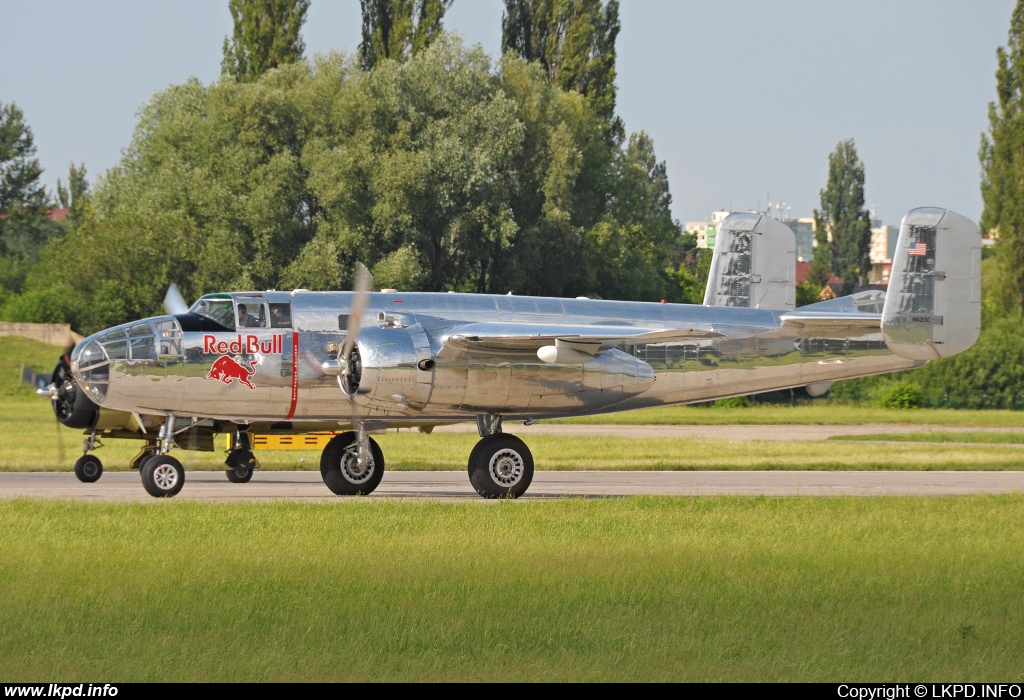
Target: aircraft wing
{"points": [[566, 343], [833, 325]]}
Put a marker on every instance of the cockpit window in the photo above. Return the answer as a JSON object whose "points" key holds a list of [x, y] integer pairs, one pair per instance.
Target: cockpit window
{"points": [[220, 311], [280, 315], [252, 314]]}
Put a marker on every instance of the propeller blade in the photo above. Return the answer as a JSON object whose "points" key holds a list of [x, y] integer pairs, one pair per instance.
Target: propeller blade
{"points": [[60, 441], [364, 281], [174, 302]]}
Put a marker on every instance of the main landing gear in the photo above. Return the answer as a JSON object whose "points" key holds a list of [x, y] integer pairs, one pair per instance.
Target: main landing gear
{"points": [[352, 463], [162, 475], [500, 465]]}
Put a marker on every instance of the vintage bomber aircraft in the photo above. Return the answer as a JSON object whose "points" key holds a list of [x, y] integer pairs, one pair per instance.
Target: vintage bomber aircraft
{"points": [[358, 362]]}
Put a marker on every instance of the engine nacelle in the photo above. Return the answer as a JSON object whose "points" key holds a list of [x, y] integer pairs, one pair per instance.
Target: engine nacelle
{"points": [[394, 368]]}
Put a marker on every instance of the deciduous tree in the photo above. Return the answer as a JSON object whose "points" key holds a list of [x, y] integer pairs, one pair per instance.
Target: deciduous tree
{"points": [[1002, 167], [440, 172], [575, 42], [266, 35], [843, 221], [397, 29]]}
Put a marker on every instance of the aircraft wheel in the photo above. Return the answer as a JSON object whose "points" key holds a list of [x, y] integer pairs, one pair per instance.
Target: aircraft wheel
{"points": [[340, 469], [239, 475], [162, 476], [88, 468], [501, 466], [241, 464]]}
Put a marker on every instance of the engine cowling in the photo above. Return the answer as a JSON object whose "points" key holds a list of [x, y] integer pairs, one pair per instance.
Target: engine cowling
{"points": [[392, 368]]}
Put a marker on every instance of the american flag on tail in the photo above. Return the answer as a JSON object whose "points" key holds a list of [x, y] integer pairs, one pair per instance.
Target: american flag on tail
{"points": [[918, 249]]}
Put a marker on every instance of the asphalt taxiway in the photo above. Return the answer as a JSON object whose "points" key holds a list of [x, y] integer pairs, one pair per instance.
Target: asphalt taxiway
{"points": [[454, 485]]}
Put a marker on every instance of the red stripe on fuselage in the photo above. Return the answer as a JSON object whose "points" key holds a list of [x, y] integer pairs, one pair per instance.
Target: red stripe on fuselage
{"points": [[295, 375]]}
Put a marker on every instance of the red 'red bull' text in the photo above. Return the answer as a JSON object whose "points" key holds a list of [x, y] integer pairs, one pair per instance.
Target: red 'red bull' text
{"points": [[249, 344]]}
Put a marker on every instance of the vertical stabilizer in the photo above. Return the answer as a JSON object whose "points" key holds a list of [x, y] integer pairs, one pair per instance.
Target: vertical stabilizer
{"points": [[754, 265], [933, 304]]}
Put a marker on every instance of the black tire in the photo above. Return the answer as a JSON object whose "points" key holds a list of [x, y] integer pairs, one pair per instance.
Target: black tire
{"points": [[239, 475], [501, 466], [88, 468], [340, 469], [162, 476], [240, 465]]}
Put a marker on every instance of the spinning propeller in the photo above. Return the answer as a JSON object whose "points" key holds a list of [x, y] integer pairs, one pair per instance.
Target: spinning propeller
{"points": [[348, 359], [174, 302]]}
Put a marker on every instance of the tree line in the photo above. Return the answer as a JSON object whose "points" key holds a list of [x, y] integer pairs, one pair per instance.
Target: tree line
{"points": [[440, 168], [435, 166]]}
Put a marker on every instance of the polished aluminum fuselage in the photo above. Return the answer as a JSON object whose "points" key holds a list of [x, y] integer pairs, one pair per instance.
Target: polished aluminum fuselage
{"points": [[419, 366]]}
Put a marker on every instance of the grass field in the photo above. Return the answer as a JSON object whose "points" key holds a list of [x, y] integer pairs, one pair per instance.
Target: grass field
{"points": [[29, 442], [699, 589], [819, 413], [649, 589], [987, 437]]}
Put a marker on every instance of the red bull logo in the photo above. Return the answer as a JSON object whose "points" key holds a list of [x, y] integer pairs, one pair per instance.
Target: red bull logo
{"points": [[227, 370], [248, 344]]}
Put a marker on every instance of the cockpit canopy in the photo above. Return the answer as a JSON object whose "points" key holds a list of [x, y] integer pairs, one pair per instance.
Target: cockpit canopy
{"points": [[235, 312], [139, 343]]}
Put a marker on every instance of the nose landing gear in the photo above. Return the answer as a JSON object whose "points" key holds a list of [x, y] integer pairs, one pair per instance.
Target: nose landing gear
{"points": [[89, 468]]}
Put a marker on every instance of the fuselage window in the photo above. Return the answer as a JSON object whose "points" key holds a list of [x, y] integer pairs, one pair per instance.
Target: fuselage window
{"points": [[280, 315], [252, 314]]}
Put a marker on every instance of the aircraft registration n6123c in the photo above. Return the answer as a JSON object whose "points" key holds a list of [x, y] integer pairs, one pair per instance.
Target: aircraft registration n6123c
{"points": [[359, 362]]}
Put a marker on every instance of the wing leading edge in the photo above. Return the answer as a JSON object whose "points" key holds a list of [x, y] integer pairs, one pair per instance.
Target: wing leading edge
{"points": [[564, 344]]}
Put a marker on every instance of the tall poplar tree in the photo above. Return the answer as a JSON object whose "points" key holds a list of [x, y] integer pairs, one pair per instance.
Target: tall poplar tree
{"points": [[574, 40], [266, 36], [842, 221], [1002, 167], [398, 29], [24, 225]]}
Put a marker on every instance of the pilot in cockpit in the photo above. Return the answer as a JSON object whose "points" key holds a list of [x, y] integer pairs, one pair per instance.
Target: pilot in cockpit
{"points": [[280, 317], [245, 319]]}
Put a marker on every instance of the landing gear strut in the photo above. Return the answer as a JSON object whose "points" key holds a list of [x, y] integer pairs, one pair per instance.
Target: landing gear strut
{"points": [[501, 465], [89, 468], [352, 464], [162, 475], [241, 461]]}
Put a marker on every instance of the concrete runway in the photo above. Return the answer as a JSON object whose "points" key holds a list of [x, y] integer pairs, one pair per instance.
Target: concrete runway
{"points": [[451, 485]]}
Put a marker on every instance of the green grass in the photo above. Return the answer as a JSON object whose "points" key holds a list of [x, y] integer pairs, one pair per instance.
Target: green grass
{"points": [[29, 443], [16, 352], [650, 589], [31, 440], [987, 437], [819, 413]]}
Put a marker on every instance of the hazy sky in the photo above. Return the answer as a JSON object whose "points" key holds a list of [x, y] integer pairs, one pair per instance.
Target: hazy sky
{"points": [[742, 97]]}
